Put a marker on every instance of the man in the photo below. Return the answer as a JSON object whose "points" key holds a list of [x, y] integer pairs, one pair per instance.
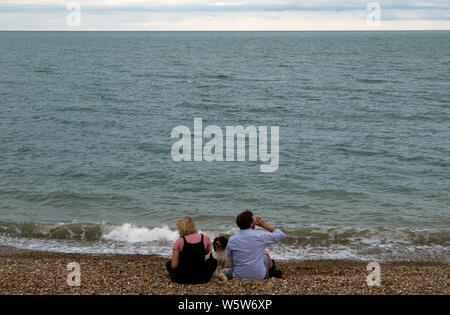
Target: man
{"points": [[246, 250]]}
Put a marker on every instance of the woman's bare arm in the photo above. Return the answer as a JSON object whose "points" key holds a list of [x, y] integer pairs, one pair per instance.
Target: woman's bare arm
{"points": [[175, 258]]}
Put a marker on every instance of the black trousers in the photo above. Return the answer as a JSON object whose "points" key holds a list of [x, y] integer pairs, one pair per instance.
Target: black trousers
{"points": [[208, 269]]}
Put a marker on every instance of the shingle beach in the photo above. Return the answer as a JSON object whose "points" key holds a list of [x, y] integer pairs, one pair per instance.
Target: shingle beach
{"points": [[32, 272]]}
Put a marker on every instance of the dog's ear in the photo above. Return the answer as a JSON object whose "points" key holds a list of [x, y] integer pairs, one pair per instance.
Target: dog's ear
{"points": [[214, 243], [223, 241]]}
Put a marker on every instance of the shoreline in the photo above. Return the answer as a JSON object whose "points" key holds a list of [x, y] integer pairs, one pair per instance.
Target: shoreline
{"points": [[36, 272]]}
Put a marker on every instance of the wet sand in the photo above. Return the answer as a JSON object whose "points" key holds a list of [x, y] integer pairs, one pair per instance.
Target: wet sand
{"points": [[32, 272]]}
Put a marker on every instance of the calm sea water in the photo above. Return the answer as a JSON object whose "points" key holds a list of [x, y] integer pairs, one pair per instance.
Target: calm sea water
{"points": [[364, 119]]}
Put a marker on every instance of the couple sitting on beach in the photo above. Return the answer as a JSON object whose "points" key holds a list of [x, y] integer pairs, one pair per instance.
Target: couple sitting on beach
{"points": [[195, 261]]}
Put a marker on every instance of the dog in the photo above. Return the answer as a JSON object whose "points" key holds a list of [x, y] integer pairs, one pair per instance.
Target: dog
{"points": [[219, 253]]}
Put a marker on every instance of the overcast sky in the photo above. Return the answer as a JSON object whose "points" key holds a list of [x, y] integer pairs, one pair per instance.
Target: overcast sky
{"points": [[225, 15]]}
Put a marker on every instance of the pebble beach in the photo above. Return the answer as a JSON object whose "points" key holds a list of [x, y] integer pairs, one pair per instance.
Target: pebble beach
{"points": [[35, 272]]}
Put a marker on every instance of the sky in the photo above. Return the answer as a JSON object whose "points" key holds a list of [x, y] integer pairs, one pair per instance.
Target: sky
{"points": [[211, 15]]}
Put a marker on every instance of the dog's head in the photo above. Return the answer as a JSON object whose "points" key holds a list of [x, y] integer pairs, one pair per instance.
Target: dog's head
{"points": [[220, 243]]}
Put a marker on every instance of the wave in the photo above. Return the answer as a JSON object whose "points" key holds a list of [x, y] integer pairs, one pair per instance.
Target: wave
{"points": [[48, 70], [373, 81], [379, 243], [64, 197], [133, 234], [128, 232], [58, 231], [219, 76]]}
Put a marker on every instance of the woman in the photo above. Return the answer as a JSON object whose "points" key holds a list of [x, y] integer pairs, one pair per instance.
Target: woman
{"points": [[188, 264]]}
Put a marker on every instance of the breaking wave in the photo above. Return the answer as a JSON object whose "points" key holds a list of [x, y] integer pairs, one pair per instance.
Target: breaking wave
{"points": [[378, 243]]}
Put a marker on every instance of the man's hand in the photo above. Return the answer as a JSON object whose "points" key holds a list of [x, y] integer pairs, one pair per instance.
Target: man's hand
{"points": [[262, 223]]}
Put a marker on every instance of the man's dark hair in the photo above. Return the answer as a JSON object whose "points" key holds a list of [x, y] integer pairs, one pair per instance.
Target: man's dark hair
{"points": [[244, 219]]}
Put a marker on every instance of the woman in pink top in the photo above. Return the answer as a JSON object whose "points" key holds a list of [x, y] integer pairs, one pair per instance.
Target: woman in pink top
{"points": [[188, 263]]}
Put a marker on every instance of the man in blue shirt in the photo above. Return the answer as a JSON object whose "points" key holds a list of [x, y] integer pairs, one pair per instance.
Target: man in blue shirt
{"points": [[246, 250]]}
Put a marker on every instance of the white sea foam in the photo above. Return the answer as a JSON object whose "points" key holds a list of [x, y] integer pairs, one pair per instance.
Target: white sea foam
{"points": [[377, 244], [134, 234]]}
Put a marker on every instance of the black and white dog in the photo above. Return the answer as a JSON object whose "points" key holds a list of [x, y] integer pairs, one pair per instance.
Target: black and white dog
{"points": [[219, 252]]}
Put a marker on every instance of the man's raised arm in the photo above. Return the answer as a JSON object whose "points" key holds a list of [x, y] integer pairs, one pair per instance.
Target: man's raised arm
{"points": [[275, 234]]}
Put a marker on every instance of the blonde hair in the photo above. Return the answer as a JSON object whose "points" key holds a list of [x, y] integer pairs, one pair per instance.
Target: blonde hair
{"points": [[186, 226]]}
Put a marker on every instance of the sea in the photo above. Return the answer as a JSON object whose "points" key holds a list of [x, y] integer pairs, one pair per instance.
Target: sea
{"points": [[86, 120]]}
